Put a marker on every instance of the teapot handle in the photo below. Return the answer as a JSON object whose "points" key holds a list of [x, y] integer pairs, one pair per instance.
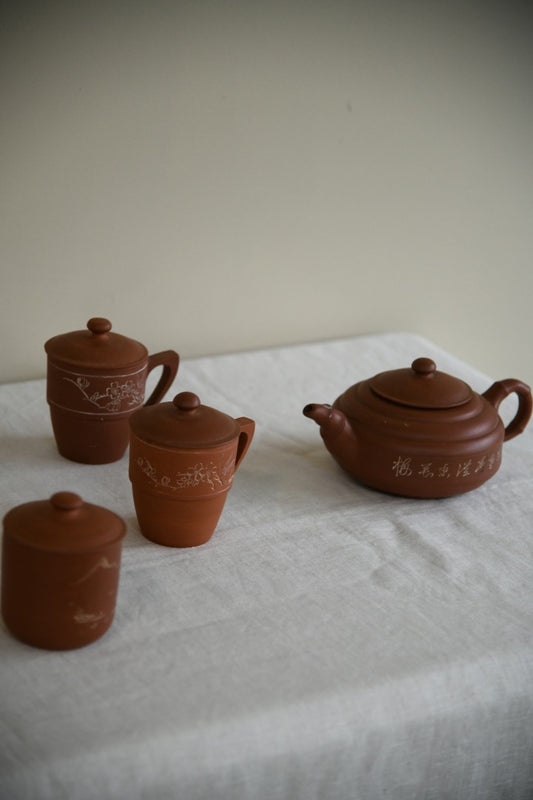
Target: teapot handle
{"points": [[169, 360], [499, 391], [245, 438]]}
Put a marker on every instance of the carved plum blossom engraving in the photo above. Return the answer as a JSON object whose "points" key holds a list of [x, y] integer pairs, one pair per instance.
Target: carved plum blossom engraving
{"points": [[114, 396], [198, 474], [91, 619], [208, 474], [102, 563], [150, 472]]}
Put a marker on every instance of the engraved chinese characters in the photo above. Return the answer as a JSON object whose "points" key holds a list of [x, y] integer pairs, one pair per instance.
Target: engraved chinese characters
{"points": [[183, 457], [60, 571], [418, 432], [95, 380], [406, 467]]}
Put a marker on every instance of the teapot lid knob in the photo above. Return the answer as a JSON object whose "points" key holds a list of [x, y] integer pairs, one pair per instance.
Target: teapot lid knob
{"points": [[424, 366], [99, 325], [186, 401]]}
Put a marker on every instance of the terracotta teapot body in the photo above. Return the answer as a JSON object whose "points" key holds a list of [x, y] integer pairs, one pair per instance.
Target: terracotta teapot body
{"points": [[95, 380], [418, 432], [60, 571], [183, 457]]}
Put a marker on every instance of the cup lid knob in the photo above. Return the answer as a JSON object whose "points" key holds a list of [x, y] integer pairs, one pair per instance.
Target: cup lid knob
{"points": [[99, 325], [186, 401]]}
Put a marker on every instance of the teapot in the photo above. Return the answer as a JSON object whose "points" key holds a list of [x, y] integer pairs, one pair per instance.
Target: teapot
{"points": [[418, 432]]}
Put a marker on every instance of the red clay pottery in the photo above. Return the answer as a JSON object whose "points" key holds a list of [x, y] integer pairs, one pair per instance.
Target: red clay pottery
{"points": [[60, 571], [95, 380], [418, 432], [183, 456]]}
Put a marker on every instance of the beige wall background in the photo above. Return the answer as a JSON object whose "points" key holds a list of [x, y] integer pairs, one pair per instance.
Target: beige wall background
{"points": [[219, 176]]}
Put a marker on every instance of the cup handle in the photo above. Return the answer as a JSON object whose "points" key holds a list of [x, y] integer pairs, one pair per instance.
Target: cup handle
{"points": [[245, 438], [169, 360], [499, 391]]}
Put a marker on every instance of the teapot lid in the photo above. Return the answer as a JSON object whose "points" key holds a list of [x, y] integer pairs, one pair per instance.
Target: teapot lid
{"points": [[184, 422], [63, 524], [421, 386], [96, 347]]}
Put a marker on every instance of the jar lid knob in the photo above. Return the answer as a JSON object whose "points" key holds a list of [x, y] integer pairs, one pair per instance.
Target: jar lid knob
{"points": [[99, 325], [66, 501]]}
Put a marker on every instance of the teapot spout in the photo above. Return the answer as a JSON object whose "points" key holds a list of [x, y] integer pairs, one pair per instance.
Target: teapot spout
{"points": [[331, 420]]}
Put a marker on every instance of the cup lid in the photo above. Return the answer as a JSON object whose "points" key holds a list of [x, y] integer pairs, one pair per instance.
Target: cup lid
{"points": [[63, 524], [183, 423], [96, 347]]}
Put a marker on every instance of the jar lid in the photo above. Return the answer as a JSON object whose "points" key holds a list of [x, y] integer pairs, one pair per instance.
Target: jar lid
{"points": [[421, 386], [63, 524], [184, 423], [96, 347]]}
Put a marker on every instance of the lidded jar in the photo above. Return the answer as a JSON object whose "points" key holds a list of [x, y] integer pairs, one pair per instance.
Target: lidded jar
{"points": [[60, 571], [183, 456], [95, 379]]}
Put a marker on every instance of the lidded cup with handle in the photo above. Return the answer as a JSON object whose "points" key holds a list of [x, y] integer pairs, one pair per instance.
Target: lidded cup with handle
{"points": [[95, 380], [183, 456]]}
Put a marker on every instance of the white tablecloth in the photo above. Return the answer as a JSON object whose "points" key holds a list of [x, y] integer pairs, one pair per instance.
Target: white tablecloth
{"points": [[328, 642]]}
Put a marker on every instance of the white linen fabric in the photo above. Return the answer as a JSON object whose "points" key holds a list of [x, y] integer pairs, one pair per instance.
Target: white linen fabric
{"points": [[328, 642]]}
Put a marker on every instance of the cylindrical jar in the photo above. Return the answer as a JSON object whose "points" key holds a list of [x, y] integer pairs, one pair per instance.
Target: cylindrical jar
{"points": [[60, 571]]}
